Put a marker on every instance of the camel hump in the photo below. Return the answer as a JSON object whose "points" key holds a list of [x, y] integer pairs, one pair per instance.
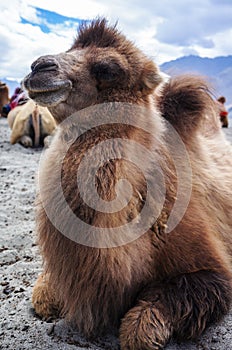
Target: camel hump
{"points": [[185, 101]]}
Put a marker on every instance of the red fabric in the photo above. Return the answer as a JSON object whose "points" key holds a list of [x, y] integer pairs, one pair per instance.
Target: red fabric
{"points": [[223, 114], [16, 99]]}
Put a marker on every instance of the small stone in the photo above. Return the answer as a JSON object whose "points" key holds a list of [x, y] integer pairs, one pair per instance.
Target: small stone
{"points": [[25, 327], [8, 290], [4, 283], [19, 290], [215, 339], [50, 330]]}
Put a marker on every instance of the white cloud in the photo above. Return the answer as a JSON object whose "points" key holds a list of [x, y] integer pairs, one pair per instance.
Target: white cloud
{"points": [[86, 9], [23, 43], [164, 29]]}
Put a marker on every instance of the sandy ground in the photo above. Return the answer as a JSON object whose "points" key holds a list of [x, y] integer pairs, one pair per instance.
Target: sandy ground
{"points": [[20, 264]]}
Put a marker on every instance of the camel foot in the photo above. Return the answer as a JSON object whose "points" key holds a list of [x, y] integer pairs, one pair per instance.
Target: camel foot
{"points": [[144, 328], [183, 306], [43, 299], [48, 140], [26, 141]]}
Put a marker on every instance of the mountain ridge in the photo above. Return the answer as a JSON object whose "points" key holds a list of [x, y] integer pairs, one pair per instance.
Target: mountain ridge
{"points": [[217, 70]]}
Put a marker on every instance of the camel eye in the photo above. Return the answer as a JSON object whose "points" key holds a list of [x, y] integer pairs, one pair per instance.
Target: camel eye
{"points": [[105, 71], [108, 73]]}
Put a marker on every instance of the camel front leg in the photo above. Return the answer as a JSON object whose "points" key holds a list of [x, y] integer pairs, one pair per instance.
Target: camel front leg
{"points": [[181, 307]]}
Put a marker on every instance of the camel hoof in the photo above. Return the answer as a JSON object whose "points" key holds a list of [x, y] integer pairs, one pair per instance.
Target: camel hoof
{"points": [[144, 328], [26, 141], [47, 141], [43, 299]]}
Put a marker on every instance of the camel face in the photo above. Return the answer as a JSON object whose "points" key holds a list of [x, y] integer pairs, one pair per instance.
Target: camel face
{"points": [[47, 84], [101, 66], [74, 80]]}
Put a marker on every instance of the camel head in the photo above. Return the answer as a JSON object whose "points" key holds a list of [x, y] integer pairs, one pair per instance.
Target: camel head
{"points": [[101, 66]]}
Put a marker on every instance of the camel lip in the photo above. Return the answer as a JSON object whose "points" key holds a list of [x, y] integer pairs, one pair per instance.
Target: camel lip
{"points": [[49, 95], [43, 88]]}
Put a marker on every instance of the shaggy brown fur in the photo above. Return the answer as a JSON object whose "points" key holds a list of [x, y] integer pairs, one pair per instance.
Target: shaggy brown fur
{"points": [[4, 95], [161, 284]]}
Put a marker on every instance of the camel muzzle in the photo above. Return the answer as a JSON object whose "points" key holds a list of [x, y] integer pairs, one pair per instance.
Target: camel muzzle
{"points": [[45, 64]]}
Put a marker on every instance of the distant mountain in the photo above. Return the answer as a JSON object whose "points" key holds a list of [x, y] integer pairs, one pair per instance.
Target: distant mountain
{"points": [[218, 70]]}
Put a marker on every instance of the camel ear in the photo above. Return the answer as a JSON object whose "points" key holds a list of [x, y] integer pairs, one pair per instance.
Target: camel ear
{"points": [[108, 74], [150, 77]]}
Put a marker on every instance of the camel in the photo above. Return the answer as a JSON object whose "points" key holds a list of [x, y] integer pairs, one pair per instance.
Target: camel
{"points": [[123, 247], [31, 125], [223, 113], [4, 95]]}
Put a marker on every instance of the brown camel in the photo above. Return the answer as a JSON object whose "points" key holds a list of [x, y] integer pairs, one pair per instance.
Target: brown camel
{"points": [[104, 265], [4, 95], [31, 125]]}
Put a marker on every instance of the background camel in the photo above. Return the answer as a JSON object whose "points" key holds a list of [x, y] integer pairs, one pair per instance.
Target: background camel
{"points": [[157, 284], [4, 95], [31, 125], [223, 113]]}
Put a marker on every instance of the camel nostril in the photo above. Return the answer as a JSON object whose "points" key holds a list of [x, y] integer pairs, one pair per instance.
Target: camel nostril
{"points": [[42, 65]]}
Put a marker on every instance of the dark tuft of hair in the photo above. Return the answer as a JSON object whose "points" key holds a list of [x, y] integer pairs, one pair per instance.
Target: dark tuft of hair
{"points": [[97, 33]]}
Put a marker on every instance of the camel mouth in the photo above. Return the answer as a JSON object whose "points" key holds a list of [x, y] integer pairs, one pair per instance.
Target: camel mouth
{"points": [[49, 93], [55, 86]]}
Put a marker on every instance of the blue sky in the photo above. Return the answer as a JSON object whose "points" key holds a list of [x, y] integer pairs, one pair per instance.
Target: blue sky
{"points": [[164, 29], [46, 20]]}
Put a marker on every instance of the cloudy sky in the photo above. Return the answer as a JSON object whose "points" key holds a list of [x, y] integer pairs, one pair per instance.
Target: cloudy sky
{"points": [[164, 29]]}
